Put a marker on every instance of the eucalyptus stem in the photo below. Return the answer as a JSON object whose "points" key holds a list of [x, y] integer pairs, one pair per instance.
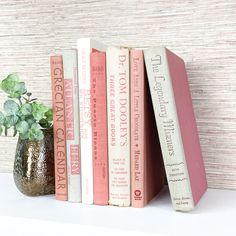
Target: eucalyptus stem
{"points": [[20, 101], [15, 131], [33, 99], [28, 99], [5, 131]]}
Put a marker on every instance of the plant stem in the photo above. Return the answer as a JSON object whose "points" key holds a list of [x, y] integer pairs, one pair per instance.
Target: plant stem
{"points": [[5, 131], [15, 131], [20, 101], [34, 99]]}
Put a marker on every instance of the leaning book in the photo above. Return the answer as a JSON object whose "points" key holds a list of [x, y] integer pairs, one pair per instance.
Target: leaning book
{"points": [[176, 126]]}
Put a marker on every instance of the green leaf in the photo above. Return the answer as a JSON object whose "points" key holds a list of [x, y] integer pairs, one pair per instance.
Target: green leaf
{"points": [[38, 110], [35, 132], [48, 120], [13, 86], [22, 127], [9, 83], [49, 114], [30, 120], [26, 109], [10, 78], [24, 136], [13, 77], [10, 121], [44, 123], [39, 135], [11, 107], [2, 118], [1, 130], [19, 89]]}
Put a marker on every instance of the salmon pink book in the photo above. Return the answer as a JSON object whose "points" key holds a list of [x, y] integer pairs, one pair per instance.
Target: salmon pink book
{"points": [[177, 128], [147, 170], [57, 81], [99, 127]]}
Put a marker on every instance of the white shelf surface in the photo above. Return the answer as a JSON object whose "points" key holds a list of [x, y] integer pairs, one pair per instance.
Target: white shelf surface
{"points": [[214, 215]]}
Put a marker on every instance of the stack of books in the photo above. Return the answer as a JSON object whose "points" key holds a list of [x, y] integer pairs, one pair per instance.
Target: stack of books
{"points": [[123, 119]]}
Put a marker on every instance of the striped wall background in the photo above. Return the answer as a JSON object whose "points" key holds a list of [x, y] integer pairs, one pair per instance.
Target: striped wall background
{"points": [[202, 32]]}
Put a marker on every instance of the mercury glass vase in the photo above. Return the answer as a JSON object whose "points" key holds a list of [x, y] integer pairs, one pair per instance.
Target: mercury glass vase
{"points": [[34, 166]]}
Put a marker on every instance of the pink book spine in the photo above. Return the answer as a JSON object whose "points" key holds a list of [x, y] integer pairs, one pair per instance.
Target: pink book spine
{"points": [[99, 127], [137, 128], [187, 124], [57, 82], [177, 128]]}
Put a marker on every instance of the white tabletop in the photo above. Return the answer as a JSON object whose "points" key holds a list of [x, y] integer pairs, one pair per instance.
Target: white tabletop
{"points": [[214, 215]]}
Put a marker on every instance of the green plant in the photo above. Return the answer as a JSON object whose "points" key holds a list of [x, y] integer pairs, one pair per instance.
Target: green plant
{"points": [[23, 114]]}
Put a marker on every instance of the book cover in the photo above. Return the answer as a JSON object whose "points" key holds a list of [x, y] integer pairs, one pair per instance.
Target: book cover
{"points": [[118, 110], [71, 97], [176, 127], [147, 170], [57, 82], [85, 46], [99, 127]]}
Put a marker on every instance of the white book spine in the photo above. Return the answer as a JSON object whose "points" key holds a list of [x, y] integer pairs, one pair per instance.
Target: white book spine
{"points": [[85, 46], [168, 128], [118, 105], [71, 95]]}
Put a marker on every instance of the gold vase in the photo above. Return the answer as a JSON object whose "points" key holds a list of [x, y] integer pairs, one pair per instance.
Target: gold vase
{"points": [[34, 166]]}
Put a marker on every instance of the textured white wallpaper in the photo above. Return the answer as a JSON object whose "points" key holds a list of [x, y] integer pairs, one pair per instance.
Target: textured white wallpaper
{"points": [[202, 32]]}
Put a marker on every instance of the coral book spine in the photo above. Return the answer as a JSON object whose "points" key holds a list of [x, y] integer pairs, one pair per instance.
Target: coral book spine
{"points": [[57, 82], [99, 127], [147, 170], [137, 127]]}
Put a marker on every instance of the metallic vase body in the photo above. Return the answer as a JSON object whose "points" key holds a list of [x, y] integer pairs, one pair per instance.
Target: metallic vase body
{"points": [[34, 166]]}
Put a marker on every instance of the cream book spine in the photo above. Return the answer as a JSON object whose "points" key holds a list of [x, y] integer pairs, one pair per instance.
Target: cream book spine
{"points": [[71, 96], [85, 46], [118, 110]]}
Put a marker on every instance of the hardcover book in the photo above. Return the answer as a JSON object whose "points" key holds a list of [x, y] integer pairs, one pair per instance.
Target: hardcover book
{"points": [[147, 170], [99, 127], [177, 128], [71, 96], [118, 110], [85, 46], [57, 82]]}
